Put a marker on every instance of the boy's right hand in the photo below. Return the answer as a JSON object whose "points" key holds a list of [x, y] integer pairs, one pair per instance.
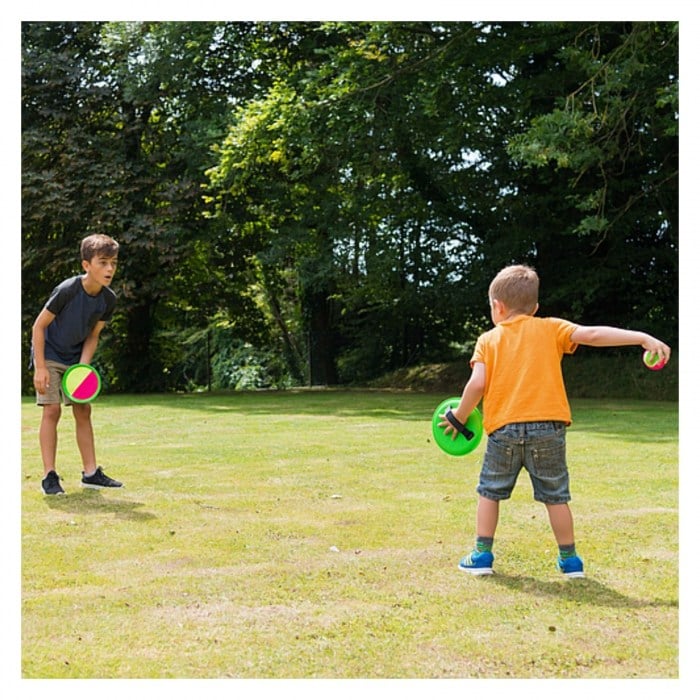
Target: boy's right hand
{"points": [[448, 428], [41, 380]]}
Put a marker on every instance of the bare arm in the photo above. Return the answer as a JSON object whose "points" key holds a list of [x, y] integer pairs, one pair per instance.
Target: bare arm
{"points": [[473, 391], [608, 336], [90, 344], [41, 374]]}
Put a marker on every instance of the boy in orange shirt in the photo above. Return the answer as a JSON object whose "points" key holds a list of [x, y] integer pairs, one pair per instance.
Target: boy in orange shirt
{"points": [[516, 369]]}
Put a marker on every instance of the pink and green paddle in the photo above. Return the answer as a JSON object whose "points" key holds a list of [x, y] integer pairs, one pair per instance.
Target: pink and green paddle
{"points": [[81, 383]]}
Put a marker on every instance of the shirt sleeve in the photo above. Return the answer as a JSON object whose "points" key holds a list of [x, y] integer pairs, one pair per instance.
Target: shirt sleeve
{"points": [[111, 301], [565, 330], [60, 296], [478, 354]]}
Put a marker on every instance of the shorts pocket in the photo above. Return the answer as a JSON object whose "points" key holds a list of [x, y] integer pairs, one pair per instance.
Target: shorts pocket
{"points": [[498, 458], [549, 460]]}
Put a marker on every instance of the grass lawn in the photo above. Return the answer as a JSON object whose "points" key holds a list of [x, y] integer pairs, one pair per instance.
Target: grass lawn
{"points": [[316, 534]]}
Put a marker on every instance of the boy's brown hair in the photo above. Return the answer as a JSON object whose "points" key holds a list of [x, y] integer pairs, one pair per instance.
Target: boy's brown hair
{"points": [[516, 286], [98, 244]]}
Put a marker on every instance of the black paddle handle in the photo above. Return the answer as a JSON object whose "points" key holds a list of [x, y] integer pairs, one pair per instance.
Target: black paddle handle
{"points": [[456, 423]]}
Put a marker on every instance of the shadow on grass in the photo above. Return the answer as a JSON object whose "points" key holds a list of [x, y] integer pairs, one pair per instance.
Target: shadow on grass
{"points": [[587, 591], [90, 501]]}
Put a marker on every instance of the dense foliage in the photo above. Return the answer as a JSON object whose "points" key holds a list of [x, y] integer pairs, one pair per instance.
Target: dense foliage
{"points": [[325, 202]]}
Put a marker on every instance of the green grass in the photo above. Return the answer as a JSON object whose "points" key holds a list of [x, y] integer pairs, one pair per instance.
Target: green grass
{"points": [[316, 534]]}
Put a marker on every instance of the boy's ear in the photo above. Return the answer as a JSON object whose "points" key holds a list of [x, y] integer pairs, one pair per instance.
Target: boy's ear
{"points": [[85, 264]]}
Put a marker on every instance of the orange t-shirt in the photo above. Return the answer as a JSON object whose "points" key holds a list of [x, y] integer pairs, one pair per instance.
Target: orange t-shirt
{"points": [[524, 381]]}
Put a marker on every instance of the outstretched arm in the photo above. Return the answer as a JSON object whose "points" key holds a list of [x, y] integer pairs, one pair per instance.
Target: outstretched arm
{"points": [[609, 336]]}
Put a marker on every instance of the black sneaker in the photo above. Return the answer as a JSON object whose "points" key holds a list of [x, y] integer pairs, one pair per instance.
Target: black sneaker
{"points": [[51, 484], [99, 480]]}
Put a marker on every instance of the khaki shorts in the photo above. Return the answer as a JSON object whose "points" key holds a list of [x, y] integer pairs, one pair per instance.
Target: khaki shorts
{"points": [[54, 393]]}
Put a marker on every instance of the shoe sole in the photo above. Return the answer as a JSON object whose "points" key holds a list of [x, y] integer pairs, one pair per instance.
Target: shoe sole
{"points": [[57, 493], [575, 574], [98, 486], [476, 572]]}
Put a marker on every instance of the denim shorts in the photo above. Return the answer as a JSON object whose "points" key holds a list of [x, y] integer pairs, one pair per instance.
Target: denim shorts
{"points": [[538, 447]]}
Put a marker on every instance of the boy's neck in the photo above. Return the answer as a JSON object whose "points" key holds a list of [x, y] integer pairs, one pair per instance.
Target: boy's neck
{"points": [[90, 286], [500, 312]]}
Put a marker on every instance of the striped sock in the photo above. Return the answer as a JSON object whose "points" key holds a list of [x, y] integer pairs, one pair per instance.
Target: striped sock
{"points": [[484, 544], [566, 551]]}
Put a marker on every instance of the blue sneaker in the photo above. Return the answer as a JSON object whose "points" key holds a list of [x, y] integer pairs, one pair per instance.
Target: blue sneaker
{"points": [[571, 567], [477, 563]]}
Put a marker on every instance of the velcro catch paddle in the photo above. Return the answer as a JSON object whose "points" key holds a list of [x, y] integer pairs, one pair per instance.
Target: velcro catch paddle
{"points": [[469, 434], [81, 383]]}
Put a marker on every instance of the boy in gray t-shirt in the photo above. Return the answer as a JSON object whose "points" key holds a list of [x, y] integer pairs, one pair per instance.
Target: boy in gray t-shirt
{"points": [[66, 332]]}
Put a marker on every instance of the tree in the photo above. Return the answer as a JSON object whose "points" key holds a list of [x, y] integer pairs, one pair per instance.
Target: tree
{"points": [[340, 169], [611, 136], [130, 162], [66, 103], [340, 194]]}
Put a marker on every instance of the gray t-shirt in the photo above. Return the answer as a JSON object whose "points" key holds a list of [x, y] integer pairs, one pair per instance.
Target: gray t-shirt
{"points": [[77, 313]]}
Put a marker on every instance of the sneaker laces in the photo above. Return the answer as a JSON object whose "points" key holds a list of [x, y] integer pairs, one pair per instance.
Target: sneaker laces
{"points": [[471, 555]]}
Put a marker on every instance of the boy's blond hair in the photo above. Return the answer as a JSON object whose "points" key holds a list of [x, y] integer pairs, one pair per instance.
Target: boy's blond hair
{"points": [[516, 286], [98, 244]]}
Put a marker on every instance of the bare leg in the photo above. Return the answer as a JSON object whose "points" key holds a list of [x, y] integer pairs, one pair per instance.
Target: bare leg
{"points": [[48, 436], [486, 517], [562, 522], [85, 437], [479, 562]]}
